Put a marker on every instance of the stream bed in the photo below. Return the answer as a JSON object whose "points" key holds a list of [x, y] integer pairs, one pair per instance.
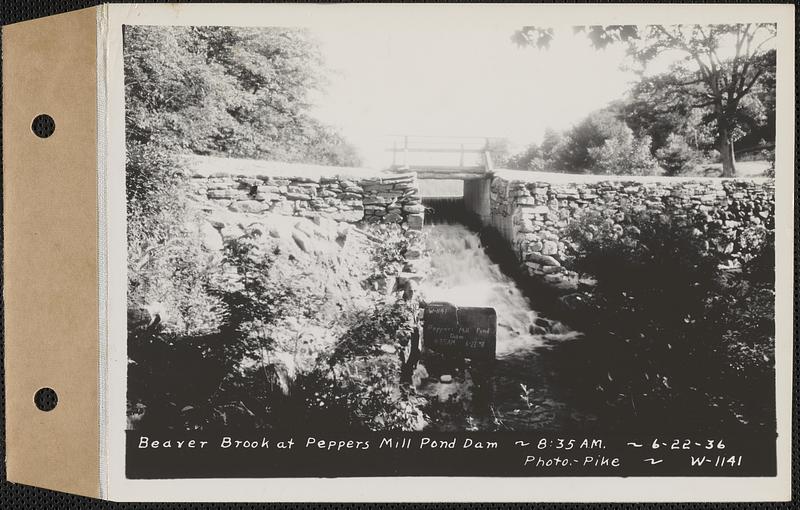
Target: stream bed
{"points": [[518, 390]]}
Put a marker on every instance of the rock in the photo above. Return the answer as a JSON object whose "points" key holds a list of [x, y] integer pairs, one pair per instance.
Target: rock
{"points": [[307, 228], [415, 221], [419, 375], [388, 349], [553, 279], [305, 180], [271, 197], [376, 200], [231, 232], [223, 193], [393, 217], [446, 378], [349, 216], [549, 248], [211, 237], [302, 240], [298, 196], [528, 201], [414, 209], [544, 260], [248, 206], [536, 330]]}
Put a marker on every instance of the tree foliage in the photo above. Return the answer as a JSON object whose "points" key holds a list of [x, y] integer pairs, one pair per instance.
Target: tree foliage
{"points": [[241, 92], [600, 143], [673, 316], [726, 87]]}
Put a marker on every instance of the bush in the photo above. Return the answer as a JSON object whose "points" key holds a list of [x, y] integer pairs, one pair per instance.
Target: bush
{"points": [[600, 143], [358, 395], [169, 271], [768, 155], [650, 261], [391, 323], [677, 157], [672, 333], [623, 154], [276, 357]]}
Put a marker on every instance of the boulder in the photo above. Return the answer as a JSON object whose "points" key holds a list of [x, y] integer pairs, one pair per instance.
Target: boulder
{"points": [[414, 209], [393, 217], [549, 248], [544, 260], [415, 221], [210, 236], [248, 206], [302, 241], [223, 193]]}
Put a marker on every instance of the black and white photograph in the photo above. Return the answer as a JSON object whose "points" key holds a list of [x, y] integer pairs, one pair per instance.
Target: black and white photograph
{"points": [[419, 244]]}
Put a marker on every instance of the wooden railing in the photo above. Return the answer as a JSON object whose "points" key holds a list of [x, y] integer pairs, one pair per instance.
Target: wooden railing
{"points": [[405, 148]]}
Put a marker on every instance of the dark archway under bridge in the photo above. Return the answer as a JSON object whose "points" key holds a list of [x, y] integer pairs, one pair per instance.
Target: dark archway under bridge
{"points": [[454, 175]]}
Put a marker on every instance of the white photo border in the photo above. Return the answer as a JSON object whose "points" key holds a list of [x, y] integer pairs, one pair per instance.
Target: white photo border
{"points": [[440, 489]]}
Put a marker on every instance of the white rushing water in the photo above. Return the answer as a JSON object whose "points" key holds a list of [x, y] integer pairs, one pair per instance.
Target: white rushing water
{"points": [[464, 275], [522, 395]]}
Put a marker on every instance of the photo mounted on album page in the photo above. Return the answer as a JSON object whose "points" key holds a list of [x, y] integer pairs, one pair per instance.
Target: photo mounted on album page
{"points": [[446, 252]]}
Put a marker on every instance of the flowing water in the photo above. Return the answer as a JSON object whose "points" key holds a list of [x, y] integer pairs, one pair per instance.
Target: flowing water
{"points": [[521, 392]]}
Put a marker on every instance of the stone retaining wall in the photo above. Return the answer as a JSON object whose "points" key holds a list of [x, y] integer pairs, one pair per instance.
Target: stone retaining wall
{"points": [[378, 199], [534, 215]]}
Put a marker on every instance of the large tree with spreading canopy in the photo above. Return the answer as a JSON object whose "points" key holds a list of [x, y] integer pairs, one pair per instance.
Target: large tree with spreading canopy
{"points": [[722, 82]]}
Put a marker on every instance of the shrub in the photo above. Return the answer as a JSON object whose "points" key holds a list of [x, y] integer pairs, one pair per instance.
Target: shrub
{"points": [[651, 258], [676, 156], [388, 254], [168, 268], [768, 155], [389, 323], [665, 317], [358, 395], [713, 156], [623, 154]]}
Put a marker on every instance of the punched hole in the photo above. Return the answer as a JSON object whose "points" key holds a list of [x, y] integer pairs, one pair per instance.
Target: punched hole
{"points": [[43, 125], [46, 399]]}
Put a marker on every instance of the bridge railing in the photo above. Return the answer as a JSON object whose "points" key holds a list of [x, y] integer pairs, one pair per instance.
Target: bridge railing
{"points": [[442, 157]]}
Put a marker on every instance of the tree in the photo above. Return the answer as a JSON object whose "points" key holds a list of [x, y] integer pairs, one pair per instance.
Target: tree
{"points": [[235, 91], [725, 86], [600, 143], [499, 151], [530, 158], [676, 155], [623, 154]]}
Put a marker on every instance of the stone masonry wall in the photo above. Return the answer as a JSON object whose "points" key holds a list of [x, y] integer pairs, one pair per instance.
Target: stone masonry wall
{"points": [[374, 199], [534, 215]]}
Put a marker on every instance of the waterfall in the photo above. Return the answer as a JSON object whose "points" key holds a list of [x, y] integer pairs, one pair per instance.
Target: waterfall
{"points": [[521, 395]]}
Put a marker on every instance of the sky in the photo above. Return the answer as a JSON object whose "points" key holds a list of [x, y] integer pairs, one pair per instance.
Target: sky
{"points": [[458, 82], [465, 81]]}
